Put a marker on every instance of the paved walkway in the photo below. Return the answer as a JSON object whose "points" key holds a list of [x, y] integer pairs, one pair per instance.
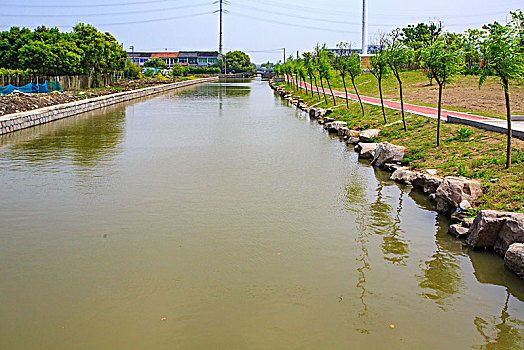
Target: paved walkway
{"points": [[486, 123]]}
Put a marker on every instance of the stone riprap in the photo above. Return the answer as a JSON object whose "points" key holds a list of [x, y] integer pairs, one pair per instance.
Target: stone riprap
{"points": [[514, 258], [453, 190], [17, 121], [388, 153], [496, 230]]}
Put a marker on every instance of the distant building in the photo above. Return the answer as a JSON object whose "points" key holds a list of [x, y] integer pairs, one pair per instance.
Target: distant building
{"points": [[184, 58], [371, 50]]}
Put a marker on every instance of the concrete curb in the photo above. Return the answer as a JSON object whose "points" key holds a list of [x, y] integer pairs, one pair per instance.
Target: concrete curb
{"points": [[17, 121], [490, 126]]}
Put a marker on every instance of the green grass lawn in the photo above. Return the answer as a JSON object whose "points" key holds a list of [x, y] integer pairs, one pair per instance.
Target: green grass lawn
{"points": [[462, 95], [464, 150]]}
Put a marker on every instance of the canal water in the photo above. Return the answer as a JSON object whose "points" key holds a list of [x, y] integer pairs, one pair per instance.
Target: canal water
{"points": [[220, 217]]}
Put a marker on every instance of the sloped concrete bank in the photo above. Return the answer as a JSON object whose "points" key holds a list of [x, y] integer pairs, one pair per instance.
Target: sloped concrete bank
{"points": [[502, 232], [17, 121]]}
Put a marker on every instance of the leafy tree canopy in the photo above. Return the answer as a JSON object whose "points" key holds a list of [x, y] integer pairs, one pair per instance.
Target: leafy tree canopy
{"points": [[238, 62], [48, 51]]}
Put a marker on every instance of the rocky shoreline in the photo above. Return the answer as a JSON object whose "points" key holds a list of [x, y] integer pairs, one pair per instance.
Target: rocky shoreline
{"points": [[502, 232]]}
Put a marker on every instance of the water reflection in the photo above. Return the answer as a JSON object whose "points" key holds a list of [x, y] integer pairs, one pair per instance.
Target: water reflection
{"points": [[83, 141], [501, 332], [356, 188]]}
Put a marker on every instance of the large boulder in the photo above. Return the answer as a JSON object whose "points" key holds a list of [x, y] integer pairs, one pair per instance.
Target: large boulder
{"points": [[458, 231], [316, 113], [328, 120], [403, 175], [352, 140], [514, 259], [366, 150], [453, 190], [391, 167], [334, 126], [387, 153], [343, 131], [368, 135], [497, 230], [354, 133], [426, 182]]}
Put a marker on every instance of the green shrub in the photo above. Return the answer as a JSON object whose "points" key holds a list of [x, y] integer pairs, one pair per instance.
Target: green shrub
{"points": [[131, 71]]}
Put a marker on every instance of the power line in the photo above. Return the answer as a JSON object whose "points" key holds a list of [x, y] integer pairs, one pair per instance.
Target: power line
{"points": [[133, 22], [356, 13], [305, 17], [108, 14], [292, 24], [84, 6]]}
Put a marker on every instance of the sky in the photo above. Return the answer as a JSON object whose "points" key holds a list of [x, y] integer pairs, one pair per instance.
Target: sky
{"points": [[260, 28]]}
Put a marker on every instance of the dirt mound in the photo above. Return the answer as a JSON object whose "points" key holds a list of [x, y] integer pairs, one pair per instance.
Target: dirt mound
{"points": [[21, 102]]}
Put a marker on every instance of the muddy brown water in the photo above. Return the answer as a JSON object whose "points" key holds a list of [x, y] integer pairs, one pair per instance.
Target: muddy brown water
{"points": [[218, 216]]}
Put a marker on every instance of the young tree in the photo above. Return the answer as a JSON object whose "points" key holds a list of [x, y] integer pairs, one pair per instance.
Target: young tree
{"points": [[341, 64], [471, 47], [397, 57], [325, 72], [503, 56], [294, 66], [443, 59], [354, 70], [308, 64], [318, 53], [380, 70], [301, 70], [312, 69], [420, 36], [288, 74]]}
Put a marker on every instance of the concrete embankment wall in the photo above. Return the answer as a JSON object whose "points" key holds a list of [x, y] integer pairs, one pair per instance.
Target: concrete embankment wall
{"points": [[17, 121]]}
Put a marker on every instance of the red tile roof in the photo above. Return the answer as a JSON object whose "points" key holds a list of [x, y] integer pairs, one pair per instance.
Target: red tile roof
{"points": [[164, 54]]}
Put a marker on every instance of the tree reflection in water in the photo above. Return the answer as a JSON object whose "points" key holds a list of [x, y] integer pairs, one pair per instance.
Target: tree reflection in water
{"points": [[394, 247], [357, 189], [441, 279], [501, 332], [85, 140], [375, 218]]}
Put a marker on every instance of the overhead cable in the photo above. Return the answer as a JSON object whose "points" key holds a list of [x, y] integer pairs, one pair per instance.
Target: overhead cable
{"points": [[166, 9], [133, 3]]}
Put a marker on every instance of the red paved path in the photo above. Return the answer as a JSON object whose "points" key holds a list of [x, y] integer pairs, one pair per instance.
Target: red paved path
{"points": [[408, 108]]}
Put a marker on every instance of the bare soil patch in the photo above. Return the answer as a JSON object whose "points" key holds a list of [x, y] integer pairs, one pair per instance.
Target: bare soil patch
{"points": [[20, 102]]}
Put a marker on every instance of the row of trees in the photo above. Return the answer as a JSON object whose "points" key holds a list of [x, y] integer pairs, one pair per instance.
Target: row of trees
{"points": [[496, 50], [47, 51]]}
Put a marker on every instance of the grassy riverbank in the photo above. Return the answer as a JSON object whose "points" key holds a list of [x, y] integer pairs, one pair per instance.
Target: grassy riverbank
{"points": [[464, 150], [462, 95]]}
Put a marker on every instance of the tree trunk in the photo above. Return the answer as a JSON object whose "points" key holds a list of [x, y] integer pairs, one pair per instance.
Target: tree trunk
{"points": [[382, 99], [358, 95], [439, 111], [311, 85], [296, 82], [508, 116], [401, 102], [346, 90], [332, 94], [323, 91], [316, 86]]}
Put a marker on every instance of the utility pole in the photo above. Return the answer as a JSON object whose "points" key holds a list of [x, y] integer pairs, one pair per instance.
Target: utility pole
{"points": [[284, 55], [132, 47], [297, 54], [364, 27], [220, 31]]}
